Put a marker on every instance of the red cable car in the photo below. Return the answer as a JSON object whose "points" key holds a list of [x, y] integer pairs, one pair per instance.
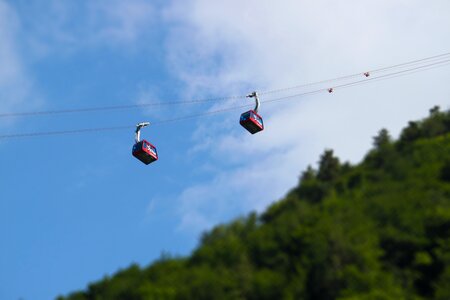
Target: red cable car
{"points": [[250, 120], [143, 150]]}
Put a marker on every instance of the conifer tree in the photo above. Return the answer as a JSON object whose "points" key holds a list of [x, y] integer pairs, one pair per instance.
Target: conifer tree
{"points": [[382, 139], [329, 167]]}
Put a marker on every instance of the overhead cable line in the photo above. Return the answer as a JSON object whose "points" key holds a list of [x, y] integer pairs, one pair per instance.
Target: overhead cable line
{"points": [[364, 81], [116, 128], [63, 132], [397, 74], [366, 73], [427, 59], [208, 113], [437, 59], [114, 107]]}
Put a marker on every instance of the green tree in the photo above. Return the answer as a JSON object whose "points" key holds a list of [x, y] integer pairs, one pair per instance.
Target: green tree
{"points": [[329, 167], [382, 139], [376, 230]]}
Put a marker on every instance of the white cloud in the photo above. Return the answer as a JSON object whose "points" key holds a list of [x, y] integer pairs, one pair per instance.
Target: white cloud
{"points": [[122, 21], [15, 86], [234, 46], [61, 28], [66, 27]]}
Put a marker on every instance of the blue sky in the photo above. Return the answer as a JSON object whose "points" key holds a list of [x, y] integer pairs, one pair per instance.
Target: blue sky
{"points": [[75, 208]]}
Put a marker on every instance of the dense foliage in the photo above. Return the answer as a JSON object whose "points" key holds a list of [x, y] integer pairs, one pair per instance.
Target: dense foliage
{"points": [[377, 230]]}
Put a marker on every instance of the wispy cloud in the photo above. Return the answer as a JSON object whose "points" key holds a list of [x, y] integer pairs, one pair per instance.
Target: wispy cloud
{"points": [[15, 84], [66, 27], [237, 46], [30, 34], [120, 21]]}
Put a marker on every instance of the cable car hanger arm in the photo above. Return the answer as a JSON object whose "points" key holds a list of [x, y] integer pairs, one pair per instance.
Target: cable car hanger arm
{"points": [[255, 95], [139, 126]]}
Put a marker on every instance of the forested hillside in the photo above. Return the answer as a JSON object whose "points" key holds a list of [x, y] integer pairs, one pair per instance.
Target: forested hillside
{"points": [[376, 230]]}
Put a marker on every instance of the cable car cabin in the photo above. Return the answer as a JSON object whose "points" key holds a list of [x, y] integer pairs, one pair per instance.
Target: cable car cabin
{"points": [[251, 121], [145, 152]]}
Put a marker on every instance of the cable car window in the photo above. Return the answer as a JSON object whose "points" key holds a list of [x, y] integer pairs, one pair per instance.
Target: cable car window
{"points": [[245, 116]]}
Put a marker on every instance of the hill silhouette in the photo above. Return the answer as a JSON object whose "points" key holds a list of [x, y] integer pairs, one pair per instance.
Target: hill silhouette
{"points": [[376, 230]]}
